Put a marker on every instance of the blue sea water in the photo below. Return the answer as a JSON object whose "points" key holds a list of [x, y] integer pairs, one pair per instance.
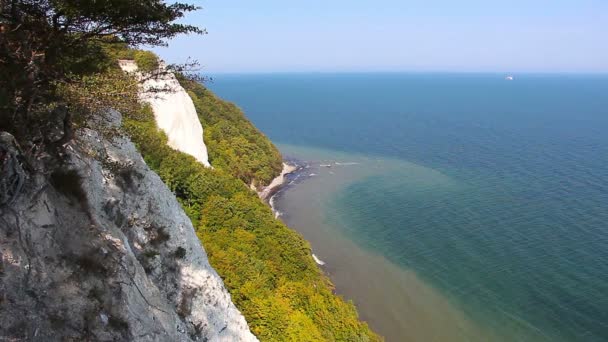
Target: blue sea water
{"points": [[518, 236]]}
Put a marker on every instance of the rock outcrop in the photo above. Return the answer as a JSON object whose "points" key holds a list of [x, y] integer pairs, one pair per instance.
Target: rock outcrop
{"points": [[97, 248]]}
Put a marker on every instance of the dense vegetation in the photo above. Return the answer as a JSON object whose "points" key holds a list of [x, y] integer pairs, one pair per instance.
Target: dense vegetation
{"points": [[146, 61], [267, 267]]}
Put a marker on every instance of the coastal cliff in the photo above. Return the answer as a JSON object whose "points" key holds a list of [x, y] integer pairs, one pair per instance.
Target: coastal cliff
{"points": [[267, 267], [107, 197], [103, 238]]}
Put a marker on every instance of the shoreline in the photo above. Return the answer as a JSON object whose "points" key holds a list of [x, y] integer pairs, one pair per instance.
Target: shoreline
{"points": [[275, 185], [297, 169], [268, 194]]}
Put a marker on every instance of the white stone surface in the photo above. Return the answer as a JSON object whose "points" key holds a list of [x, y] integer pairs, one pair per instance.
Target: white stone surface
{"points": [[174, 112]]}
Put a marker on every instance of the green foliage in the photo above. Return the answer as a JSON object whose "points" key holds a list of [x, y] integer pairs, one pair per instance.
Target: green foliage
{"points": [[118, 50], [235, 145], [266, 266], [47, 43], [146, 61]]}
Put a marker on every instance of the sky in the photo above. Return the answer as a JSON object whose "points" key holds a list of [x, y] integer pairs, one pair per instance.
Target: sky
{"points": [[392, 35]]}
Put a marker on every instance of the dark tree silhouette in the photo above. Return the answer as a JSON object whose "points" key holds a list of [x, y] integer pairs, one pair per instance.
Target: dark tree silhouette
{"points": [[44, 43]]}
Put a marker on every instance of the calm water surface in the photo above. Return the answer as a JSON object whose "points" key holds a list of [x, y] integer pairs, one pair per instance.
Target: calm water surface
{"points": [[456, 207]]}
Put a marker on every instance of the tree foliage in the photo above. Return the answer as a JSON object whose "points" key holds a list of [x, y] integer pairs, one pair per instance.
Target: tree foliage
{"points": [[44, 43]]}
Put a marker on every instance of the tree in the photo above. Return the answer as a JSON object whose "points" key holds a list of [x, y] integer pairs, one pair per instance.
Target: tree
{"points": [[48, 43]]}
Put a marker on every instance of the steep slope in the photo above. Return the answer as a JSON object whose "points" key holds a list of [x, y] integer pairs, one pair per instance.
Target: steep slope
{"points": [[267, 267], [235, 144], [101, 250], [174, 112]]}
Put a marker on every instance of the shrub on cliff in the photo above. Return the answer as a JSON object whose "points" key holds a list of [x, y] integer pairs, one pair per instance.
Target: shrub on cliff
{"points": [[146, 60]]}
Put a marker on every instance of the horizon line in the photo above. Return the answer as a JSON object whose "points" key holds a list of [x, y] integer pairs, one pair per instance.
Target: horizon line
{"points": [[267, 72]]}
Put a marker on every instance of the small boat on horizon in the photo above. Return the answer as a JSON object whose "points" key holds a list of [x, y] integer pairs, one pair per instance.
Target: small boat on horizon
{"points": [[509, 78]]}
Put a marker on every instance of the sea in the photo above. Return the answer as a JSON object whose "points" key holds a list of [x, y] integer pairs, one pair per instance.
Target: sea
{"points": [[447, 207]]}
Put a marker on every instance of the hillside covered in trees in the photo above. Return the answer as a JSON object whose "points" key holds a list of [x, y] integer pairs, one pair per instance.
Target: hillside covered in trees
{"points": [[266, 266]]}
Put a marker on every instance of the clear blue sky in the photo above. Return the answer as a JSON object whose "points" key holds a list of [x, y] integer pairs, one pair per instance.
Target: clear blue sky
{"points": [[392, 35]]}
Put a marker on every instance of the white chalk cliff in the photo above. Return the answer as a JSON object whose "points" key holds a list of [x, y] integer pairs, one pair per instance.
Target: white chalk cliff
{"points": [[101, 250], [174, 112]]}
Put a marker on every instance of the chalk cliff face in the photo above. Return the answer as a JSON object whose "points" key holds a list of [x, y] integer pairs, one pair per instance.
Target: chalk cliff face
{"points": [[174, 112], [100, 250]]}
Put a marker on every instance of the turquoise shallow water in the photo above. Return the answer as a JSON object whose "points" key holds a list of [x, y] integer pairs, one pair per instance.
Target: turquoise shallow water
{"points": [[494, 193]]}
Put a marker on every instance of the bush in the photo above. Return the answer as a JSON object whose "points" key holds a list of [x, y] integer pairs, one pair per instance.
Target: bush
{"points": [[146, 61]]}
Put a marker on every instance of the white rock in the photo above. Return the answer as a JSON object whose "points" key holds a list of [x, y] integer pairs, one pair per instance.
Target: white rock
{"points": [[174, 112]]}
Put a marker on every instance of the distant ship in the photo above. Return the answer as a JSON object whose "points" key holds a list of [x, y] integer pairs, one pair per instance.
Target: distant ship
{"points": [[509, 78]]}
